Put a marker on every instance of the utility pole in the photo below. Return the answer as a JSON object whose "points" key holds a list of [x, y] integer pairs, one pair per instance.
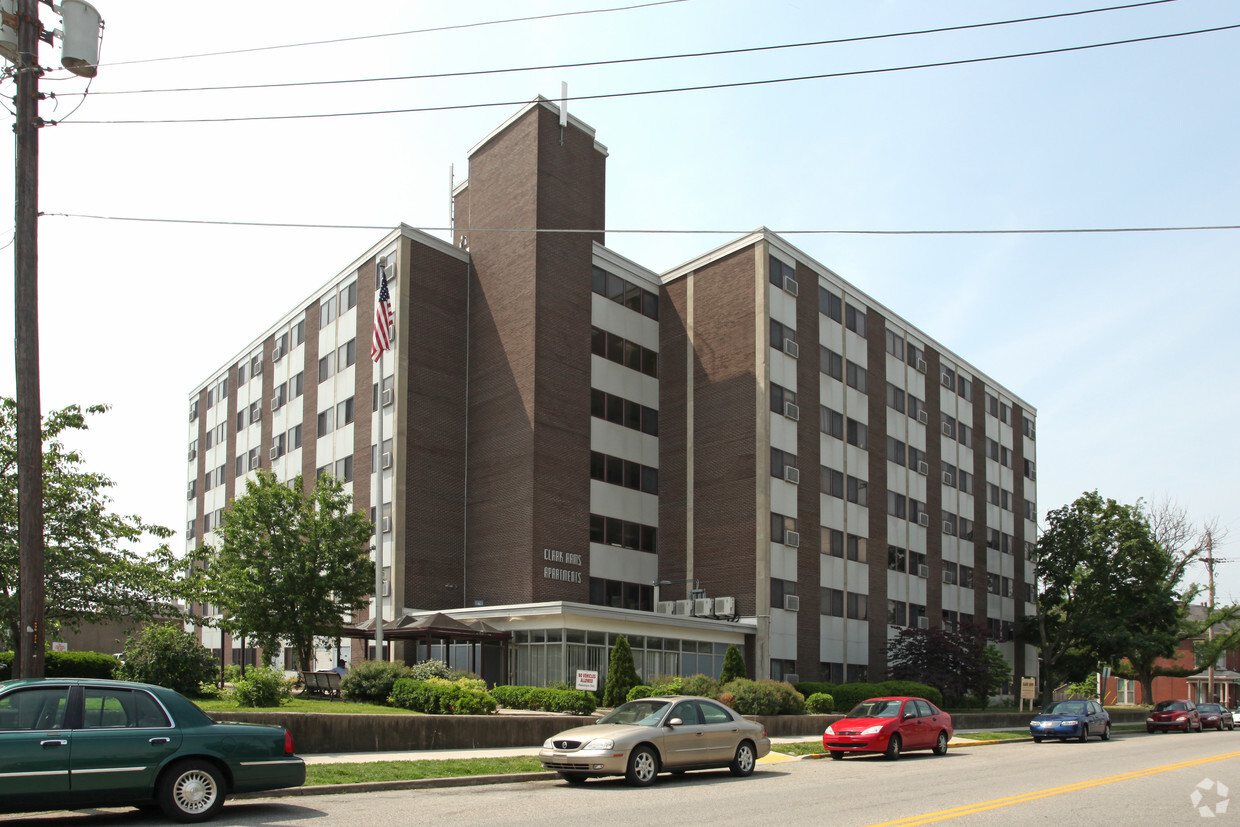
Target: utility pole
{"points": [[26, 287]]}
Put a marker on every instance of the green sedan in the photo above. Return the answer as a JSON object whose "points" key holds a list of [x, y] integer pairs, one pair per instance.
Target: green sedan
{"points": [[73, 743]]}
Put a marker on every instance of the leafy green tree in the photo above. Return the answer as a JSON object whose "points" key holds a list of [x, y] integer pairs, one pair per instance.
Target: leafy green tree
{"points": [[733, 666], [958, 663], [168, 656], [1107, 589], [621, 674], [290, 565], [93, 572]]}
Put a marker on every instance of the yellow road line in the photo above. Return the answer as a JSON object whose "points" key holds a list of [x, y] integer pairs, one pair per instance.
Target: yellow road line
{"points": [[980, 807]]}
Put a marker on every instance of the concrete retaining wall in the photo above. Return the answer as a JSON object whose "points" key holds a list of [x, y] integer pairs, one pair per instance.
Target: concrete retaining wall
{"points": [[323, 732]]}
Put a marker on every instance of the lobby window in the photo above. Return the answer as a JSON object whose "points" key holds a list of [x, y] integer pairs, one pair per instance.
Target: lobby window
{"points": [[895, 398], [855, 376], [831, 422], [895, 344], [831, 363], [858, 434], [833, 542], [831, 602], [854, 319], [830, 305], [857, 491], [857, 606], [832, 482]]}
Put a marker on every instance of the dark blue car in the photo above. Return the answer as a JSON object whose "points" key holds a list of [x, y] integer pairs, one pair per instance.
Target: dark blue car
{"points": [[1071, 719]]}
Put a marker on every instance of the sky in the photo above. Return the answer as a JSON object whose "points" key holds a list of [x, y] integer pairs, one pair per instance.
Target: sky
{"points": [[1126, 344]]}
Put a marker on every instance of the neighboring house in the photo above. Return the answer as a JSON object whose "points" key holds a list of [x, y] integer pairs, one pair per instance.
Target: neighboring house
{"points": [[744, 450]]}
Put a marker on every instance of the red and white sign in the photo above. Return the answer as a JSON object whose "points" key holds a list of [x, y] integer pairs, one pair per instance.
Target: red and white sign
{"points": [[587, 680]]}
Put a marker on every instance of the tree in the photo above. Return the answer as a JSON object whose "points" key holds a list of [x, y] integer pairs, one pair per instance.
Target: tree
{"points": [[733, 666], [960, 663], [621, 675], [290, 566], [168, 656], [1107, 589], [93, 572]]}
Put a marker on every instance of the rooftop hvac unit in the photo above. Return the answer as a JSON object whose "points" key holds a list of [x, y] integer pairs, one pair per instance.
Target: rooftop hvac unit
{"points": [[790, 347], [684, 607], [665, 607], [792, 411], [792, 538], [923, 417], [790, 285], [704, 606], [792, 603], [725, 606], [792, 475], [923, 623]]}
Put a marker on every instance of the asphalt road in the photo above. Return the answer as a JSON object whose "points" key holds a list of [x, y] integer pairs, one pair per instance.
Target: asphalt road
{"points": [[1133, 779]]}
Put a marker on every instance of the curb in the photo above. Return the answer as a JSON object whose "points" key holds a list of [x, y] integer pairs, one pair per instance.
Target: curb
{"points": [[410, 784]]}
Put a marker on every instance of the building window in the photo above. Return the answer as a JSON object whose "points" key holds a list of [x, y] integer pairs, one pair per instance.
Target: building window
{"points": [[832, 482], [916, 357], [947, 376], [964, 434], [327, 311], [855, 376], [916, 459], [831, 422], [297, 385], [1030, 469], [854, 319], [830, 305], [896, 558], [992, 538], [966, 529], [895, 344], [623, 472], [624, 412], [780, 332], [299, 332], [895, 397], [344, 469], [781, 526], [964, 481], [1028, 423], [916, 508], [831, 363], [964, 387], [779, 272], [897, 613], [781, 460], [325, 367], [897, 505], [241, 414], [256, 412], [193, 410], [278, 445], [833, 542], [622, 292], [621, 595], [294, 437], [1031, 511], [966, 578], [916, 408], [858, 434], [346, 354], [278, 396], [781, 397], [241, 373], [623, 352], [895, 451], [240, 463], [326, 422], [612, 531], [348, 297], [857, 548], [857, 491], [949, 426], [831, 602], [857, 604], [344, 413]]}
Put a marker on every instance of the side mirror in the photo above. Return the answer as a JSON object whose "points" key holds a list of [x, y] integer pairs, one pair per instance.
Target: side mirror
{"points": [[908, 715], [675, 722]]}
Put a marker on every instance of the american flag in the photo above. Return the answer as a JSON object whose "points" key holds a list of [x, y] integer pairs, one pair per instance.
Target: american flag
{"points": [[382, 339]]}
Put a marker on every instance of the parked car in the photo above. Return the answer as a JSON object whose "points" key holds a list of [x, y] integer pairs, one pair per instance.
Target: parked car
{"points": [[642, 738], [1177, 714], [74, 743], [1216, 716], [889, 726], [1071, 719]]}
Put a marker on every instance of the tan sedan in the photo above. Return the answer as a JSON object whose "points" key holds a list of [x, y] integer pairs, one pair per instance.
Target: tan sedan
{"points": [[642, 738]]}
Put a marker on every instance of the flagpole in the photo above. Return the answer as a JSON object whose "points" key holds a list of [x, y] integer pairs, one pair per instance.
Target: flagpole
{"points": [[379, 543]]}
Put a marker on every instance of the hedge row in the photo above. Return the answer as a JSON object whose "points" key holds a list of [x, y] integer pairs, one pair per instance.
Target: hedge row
{"points": [[547, 700], [67, 665], [848, 695], [437, 696]]}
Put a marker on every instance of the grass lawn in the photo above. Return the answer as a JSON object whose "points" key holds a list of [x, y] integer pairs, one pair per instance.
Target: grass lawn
{"points": [[317, 774], [303, 705]]}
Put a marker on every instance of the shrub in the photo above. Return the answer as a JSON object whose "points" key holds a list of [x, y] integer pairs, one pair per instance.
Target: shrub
{"points": [[638, 692], [574, 701], [808, 688], [168, 656], [621, 674], [917, 690], [513, 697], [438, 696], [371, 681], [668, 685], [820, 703], [733, 666], [791, 702], [429, 669], [764, 697], [848, 695], [702, 685], [67, 665], [262, 688]]}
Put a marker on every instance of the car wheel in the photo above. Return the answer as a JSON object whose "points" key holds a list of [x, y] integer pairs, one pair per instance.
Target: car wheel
{"points": [[1084, 736], [191, 791], [1150, 730], [893, 748], [940, 746], [1106, 732], [1037, 740], [837, 756], [744, 761], [573, 777], [643, 767]]}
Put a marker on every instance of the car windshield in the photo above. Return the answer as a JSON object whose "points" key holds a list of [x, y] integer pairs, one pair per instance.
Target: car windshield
{"points": [[875, 709], [1209, 708], [1065, 708], [637, 713], [1170, 706]]}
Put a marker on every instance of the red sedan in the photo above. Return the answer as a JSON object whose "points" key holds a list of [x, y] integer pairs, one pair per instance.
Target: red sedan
{"points": [[889, 726], [1178, 714]]}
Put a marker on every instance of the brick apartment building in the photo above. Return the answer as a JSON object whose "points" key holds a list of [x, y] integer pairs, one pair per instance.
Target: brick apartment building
{"points": [[743, 450]]}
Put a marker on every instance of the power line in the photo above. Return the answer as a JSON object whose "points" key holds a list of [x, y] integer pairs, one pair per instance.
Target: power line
{"points": [[294, 225], [679, 89], [397, 34], [621, 61]]}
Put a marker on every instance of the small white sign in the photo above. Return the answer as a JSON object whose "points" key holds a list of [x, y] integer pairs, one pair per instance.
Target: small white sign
{"points": [[59, 646], [587, 680]]}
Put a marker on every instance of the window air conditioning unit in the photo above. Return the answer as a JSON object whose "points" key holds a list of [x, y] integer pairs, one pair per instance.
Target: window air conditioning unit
{"points": [[948, 527], [725, 606], [274, 454], [947, 429], [792, 677], [791, 348], [923, 623], [923, 417], [704, 606], [921, 365], [949, 577], [386, 461], [665, 607], [923, 519], [253, 463], [792, 603], [193, 453], [790, 285], [945, 379], [923, 467], [792, 538], [276, 353], [792, 411], [948, 479], [923, 571], [387, 524], [792, 475], [275, 404], [257, 367], [389, 395], [1031, 432], [1033, 476], [189, 493], [684, 607]]}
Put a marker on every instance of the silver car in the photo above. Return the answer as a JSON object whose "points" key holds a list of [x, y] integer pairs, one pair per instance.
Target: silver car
{"points": [[642, 738]]}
